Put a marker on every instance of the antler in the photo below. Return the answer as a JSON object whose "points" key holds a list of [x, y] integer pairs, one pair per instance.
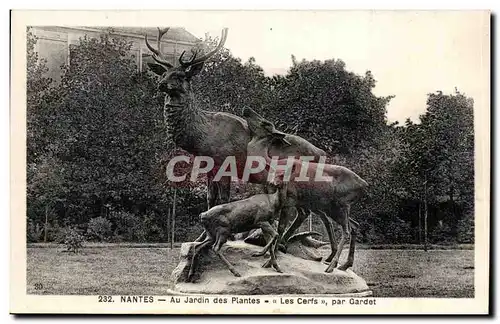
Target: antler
{"points": [[187, 63], [193, 60], [157, 56]]}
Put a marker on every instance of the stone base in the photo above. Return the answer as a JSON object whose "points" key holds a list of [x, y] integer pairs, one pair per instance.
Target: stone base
{"points": [[300, 276]]}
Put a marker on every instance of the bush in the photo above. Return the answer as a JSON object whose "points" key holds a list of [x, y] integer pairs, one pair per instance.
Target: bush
{"points": [[128, 227], [99, 229], [34, 232], [466, 229], [55, 232], [73, 240], [134, 228], [62, 233], [398, 231]]}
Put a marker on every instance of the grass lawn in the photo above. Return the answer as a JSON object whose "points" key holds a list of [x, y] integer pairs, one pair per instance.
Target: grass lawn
{"points": [[116, 270], [416, 273]]}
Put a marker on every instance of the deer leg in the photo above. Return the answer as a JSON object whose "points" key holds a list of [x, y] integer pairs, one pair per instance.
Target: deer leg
{"points": [[350, 258], [283, 219], [224, 193], [273, 260], [267, 246], [212, 193], [344, 222], [202, 237], [329, 229], [222, 237], [267, 264], [212, 190], [335, 259], [198, 247], [284, 216], [267, 228], [228, 264], [224, 190], [299, 219], [264, 250]]}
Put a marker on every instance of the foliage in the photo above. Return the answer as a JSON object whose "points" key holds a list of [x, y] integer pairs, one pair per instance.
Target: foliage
{"points": [[465, 233], [440, 152], [106, 135], [131, 228], [73, 240], [227, 84], [99, 228], [34, 232], [329, 105], [36, 88], [126, 226], [36, 68], [45, 181]]}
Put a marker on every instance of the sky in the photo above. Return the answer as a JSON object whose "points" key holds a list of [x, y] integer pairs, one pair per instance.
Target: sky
{"points": [[409, 53]]}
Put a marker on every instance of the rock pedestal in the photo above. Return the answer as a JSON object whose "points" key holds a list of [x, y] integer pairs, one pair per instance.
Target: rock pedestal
{"points": [[299, 276]]}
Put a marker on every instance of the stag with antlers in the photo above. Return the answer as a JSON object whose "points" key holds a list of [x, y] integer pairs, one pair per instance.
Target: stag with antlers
{"points": [[207, 133]]}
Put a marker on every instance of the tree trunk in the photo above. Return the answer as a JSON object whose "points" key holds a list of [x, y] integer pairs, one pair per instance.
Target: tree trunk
{"points": [[451, 193], [168, 224], [46, 223], [425, 213], [419, 223], [454, 216], [310, 222], [172, 237]]}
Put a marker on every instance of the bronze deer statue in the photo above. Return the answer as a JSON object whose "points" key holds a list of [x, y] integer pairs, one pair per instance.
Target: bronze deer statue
{"points": [[257, 211], [330, 195], [207, 133]]}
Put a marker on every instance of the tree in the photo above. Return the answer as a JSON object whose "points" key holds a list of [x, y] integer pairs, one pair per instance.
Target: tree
{"points": [[43, 177], [45, 190], [227, 84], [37, 86], [331, 107], [105, 130], [440, 149]]}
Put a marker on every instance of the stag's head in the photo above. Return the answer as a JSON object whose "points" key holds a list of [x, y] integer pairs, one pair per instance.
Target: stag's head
{"points": [[175, 80]]}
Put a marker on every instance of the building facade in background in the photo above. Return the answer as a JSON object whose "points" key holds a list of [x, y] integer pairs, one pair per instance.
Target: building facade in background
{"points": [[54, 43]]}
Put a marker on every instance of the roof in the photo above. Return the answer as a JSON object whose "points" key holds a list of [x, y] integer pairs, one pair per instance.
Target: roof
{"points": [[174, 33]]}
